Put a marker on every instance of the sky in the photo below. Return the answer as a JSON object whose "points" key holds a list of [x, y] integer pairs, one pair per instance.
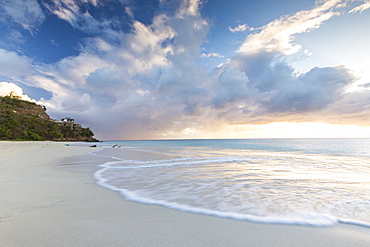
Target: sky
{"points": [[174, 69]]}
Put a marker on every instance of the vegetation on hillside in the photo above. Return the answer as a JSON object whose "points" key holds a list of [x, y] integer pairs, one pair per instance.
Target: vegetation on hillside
{"points": [[27, 121]]}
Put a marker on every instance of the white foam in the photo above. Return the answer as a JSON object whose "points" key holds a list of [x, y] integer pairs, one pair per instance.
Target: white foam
{"points": [[303, 219], [352, 222], [307, 219]]}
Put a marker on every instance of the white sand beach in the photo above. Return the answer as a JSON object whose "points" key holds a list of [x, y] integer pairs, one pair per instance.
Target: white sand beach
{"points": [[44, 204]]}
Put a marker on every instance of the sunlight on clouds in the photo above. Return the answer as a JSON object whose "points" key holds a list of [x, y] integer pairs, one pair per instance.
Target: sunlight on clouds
{"points": [[361, 8], [298, 130], [275, 130], [190, 131]]}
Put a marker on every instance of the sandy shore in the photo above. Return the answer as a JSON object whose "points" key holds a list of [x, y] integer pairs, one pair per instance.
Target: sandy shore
{"points": [[43, 204]]}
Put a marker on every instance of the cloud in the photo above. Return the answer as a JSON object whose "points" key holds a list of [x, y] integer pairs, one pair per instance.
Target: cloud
{"points": [[6, 88], [67, 10], [27, 13], [233, 87], [13, 65], [77, 15], [213, 54], [147, 83], [278, 35], [259, 88], [361, 8], [129, 12], [76, 103], [53, 42], [189, 8], [240, 28], [313, 90]]}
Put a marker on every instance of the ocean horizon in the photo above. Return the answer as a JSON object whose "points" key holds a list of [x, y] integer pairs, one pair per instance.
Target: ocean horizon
{"points": [[316, 182]]}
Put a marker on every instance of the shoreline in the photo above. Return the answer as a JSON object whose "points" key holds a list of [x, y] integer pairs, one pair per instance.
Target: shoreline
{"points": [[49, 198]]}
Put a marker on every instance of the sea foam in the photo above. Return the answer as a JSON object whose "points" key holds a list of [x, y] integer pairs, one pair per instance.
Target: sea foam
{"points": [[262, 187]]}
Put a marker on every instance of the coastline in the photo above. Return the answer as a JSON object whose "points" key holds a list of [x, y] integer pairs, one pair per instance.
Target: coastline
{"points": [[50, 198]]}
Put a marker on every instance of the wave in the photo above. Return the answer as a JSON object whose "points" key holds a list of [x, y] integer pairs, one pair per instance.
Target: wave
{"points": [[135, 164], [304, 219]]}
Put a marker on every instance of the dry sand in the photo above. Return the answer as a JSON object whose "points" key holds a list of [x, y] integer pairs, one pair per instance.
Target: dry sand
{"points": [[42, 204]]}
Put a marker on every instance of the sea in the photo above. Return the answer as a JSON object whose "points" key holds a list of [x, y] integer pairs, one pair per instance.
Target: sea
{"points": [[314, 182]]}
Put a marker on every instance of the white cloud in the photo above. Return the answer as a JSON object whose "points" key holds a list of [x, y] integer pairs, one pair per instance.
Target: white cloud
{"points": [[46, 81], [72, 71], [189, 8], [129, 12], [64, 9], [26, 13], [145, 44], [7, 88], [278, 35], [53, 42], [76, 103], [11, 64], [93, 2], [70, 11], [240, 28], [361, 8], [212, 54]]}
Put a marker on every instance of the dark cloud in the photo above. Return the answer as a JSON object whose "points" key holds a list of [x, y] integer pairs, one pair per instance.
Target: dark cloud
{"points": [[313, 90], [280, 88], [233, 87]]}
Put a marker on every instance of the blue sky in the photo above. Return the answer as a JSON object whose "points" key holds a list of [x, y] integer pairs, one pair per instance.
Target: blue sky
{"points": [[190, 68]]}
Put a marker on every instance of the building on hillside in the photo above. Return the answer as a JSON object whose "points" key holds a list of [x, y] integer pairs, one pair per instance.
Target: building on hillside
{"points": [[69, 122]]}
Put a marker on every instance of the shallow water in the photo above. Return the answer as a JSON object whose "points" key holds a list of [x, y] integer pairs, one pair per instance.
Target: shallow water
{"points": [[316, 182]]}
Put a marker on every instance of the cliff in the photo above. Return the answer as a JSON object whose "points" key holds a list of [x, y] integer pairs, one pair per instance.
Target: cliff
{"points": [[23, 120]]}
